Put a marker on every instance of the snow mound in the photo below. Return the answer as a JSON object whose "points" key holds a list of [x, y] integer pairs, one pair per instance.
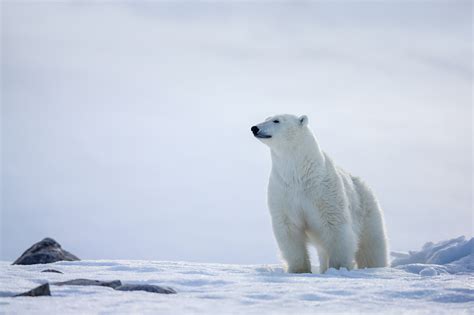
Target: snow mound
{"points": [[455, 256]]}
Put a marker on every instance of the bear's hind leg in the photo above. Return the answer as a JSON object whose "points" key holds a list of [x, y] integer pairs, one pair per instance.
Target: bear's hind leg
{"points": [[372, 251]]}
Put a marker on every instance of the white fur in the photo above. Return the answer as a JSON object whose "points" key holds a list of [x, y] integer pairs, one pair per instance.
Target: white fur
{"points": [[311, 200]]}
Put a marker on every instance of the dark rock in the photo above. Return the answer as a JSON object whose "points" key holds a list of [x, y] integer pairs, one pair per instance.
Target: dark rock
{"points": [[44, 252], [51, 270], [112, 284], [146, 287], [42, 290], [117, 285]]}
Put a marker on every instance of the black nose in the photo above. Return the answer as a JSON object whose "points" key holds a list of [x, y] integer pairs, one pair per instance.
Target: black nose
{"points": [[254, 130]]}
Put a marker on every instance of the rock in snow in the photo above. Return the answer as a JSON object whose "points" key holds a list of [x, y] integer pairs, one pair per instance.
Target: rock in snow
{"points": [[112, 284], [42, 290], [44, 252], [51, 270], [117, 285], [147, 288]]}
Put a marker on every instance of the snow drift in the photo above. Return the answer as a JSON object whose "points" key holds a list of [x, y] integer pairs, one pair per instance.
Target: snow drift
{"points": [[454, 256]]}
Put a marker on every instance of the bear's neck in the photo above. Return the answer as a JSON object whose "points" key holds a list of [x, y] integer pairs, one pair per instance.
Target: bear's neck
{"points": [[304, 158]]}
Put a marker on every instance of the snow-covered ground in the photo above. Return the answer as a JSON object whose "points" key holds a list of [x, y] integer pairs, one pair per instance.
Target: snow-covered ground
{"points": [[437, 279]]}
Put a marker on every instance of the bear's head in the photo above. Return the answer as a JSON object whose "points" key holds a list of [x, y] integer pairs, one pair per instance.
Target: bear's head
{"points": [[281, 131]]}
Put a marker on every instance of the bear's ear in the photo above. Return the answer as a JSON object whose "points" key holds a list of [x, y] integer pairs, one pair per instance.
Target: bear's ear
{"points": [[303, 120]]}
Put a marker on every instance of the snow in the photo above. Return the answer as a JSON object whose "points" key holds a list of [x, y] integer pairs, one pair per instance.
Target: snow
{"points": [[453, 256], [438, 279]]}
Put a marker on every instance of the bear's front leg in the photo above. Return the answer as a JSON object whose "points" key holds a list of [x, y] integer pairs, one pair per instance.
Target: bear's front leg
{"points": [[293, 246], [341, 246]]}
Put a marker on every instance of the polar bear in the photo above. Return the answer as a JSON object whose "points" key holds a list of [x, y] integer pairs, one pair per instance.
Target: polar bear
{"points": [[311, 200]]}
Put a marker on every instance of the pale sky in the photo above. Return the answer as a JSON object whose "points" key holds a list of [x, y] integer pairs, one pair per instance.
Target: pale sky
{"points": [[126, 127]]}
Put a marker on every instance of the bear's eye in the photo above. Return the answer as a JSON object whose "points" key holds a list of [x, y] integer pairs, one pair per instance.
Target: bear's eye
{"points": [[276, 121]]}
